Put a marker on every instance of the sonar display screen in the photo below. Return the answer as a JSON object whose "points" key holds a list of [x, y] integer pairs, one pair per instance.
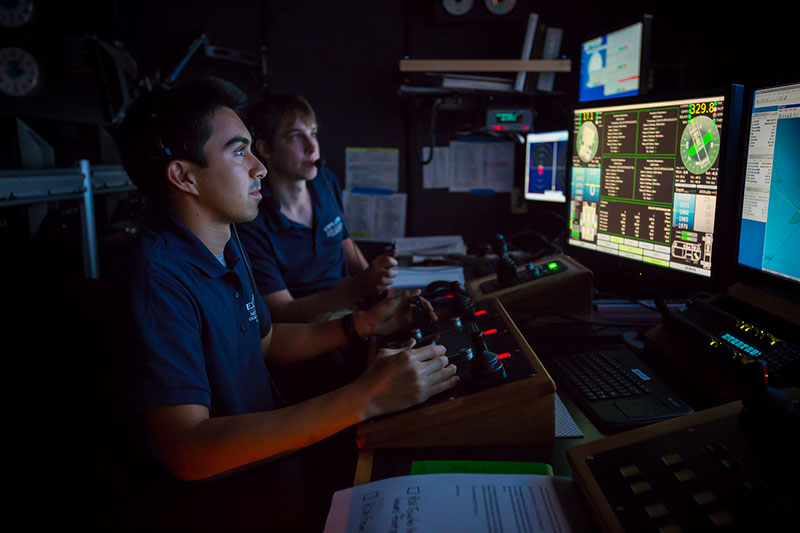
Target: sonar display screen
{"points": [[546, 165], [644, 181]]}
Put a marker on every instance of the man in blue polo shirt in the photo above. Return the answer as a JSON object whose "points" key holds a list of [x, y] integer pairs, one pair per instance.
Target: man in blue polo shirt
{"points": [[306, 264], [191, 336]]}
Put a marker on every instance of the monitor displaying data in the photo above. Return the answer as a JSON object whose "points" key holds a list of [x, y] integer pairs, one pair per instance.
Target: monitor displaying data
{"points": [[546, 165], [612, 63], [769, 239], [644, 180]]}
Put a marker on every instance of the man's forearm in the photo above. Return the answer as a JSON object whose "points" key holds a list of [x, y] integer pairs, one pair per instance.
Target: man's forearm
{"points": [[338, 298], [294, 343], [198, 447]]}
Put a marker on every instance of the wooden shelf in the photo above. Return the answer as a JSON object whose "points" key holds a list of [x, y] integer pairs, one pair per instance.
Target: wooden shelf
{"points": [[485, 65]]}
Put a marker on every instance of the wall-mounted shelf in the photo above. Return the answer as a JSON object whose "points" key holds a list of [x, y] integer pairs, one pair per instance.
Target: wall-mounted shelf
{"points": [[485, 65], [28, 187]]}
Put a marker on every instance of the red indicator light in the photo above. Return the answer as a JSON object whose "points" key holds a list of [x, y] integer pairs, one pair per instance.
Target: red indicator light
{"points": [[449, 296], [504, 355], [524, 127], [481, 312], [541, 170], [489, 331]]}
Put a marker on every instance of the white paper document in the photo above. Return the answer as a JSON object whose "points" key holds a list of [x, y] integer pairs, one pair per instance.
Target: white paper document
{"points": [[375, 217], [418, 277], [374, 168], [442, 503], [431, 245], [487, 166]]}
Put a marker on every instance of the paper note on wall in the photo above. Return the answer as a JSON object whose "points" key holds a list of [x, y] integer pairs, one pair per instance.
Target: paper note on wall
{"points": [[375, 217], [482, 166], [436, 174], [374, 168]]}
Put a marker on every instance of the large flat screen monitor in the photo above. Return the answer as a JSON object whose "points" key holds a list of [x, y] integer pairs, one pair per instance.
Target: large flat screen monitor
{"points": [[614, 63], [546, 165], [769, 237], [645, 179]]}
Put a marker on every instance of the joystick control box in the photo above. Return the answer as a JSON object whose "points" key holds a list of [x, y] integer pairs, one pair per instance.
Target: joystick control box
{"points": [[556, 283], [505, 395]]}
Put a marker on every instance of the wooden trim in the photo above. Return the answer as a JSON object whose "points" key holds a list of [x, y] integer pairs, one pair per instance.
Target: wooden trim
{"points": [[485, 65], [577, 456], [364, 467]]}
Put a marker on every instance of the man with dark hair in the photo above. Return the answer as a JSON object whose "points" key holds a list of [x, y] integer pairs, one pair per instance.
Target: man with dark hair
{"points": [[306, 264], [191, 336]]}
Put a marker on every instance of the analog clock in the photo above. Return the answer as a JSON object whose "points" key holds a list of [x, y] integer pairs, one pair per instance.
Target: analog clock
{"points": [[500, 7], [457, 7], [15, 13], [19, 72]]}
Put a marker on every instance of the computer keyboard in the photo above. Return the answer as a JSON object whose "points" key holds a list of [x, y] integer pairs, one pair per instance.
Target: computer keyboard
{"points": [[615, 388]]}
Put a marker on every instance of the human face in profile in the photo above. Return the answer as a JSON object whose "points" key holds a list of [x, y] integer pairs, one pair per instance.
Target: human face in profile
{"points": [[229, 187], [294, 150]]}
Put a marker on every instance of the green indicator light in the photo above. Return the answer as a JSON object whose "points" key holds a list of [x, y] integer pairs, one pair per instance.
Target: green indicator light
{"points": [[552, 266]]}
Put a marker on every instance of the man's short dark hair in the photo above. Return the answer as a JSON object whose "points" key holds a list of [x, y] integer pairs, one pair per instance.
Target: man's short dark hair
{"points": [[267, 116], [165, 125]]}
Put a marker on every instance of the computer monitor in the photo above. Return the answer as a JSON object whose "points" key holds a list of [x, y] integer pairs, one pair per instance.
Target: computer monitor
{"points": [[546, 165], [645, 181], [769, 236], [614, 63]]}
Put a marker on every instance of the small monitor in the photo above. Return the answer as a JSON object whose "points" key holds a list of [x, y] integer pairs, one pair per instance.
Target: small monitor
{"points": [[614, 63], [645, 179], [546, 165], [769, 236]]}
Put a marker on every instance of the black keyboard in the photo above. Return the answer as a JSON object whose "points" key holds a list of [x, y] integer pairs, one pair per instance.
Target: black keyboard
{"points": [[615, 388]]}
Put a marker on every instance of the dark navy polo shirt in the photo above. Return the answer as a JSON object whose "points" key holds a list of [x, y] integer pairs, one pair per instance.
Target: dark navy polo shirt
{"points": [[190, 329], [288, 255]]}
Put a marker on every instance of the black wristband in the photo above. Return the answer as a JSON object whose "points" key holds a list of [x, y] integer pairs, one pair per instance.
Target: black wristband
{"points": [[349, 327]]}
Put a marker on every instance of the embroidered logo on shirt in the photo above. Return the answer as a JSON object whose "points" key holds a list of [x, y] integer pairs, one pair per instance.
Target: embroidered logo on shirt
{"points": [[334, 227], [251, 308]]}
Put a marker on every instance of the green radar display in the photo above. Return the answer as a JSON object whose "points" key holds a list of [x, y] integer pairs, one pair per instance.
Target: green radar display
{"points": [[587, 141], [700, 144]]}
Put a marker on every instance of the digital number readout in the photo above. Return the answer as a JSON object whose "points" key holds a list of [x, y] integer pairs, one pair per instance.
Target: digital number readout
{"points": [[702, 108]]}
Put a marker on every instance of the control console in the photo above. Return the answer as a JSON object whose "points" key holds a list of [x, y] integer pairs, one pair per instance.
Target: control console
{"points": [[731, 468], [504, 396], [557, 283]]}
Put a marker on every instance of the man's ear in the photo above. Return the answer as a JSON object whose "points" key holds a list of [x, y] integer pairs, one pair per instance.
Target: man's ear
{"points": [[262, 149], [180, 174]]}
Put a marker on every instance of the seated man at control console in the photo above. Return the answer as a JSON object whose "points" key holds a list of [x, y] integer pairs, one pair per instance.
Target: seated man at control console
{"points": [[191, 335], [306, 265]]}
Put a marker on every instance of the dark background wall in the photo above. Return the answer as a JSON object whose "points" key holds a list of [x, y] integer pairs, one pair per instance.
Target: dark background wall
{"points": [[343, 56]]}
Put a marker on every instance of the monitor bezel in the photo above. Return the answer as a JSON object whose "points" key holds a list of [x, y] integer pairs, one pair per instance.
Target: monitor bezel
{"points": [[767, 281], [644, 55], [525, 193], [637, 275]]}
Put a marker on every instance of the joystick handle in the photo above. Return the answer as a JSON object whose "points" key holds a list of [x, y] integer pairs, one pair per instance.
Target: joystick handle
{"points": [[419, 316], [506, 267]]}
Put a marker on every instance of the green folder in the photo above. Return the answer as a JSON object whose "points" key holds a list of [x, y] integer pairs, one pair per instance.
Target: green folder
{"points": [[480, 467]]}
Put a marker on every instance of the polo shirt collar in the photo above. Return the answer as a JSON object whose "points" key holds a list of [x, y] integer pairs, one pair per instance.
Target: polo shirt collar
{"points": [[270, 207], [190, 248]]}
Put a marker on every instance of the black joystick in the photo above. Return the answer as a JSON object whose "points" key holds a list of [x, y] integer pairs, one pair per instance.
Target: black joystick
{"points": [[487, 370], [420, 318], [506, 267]]}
